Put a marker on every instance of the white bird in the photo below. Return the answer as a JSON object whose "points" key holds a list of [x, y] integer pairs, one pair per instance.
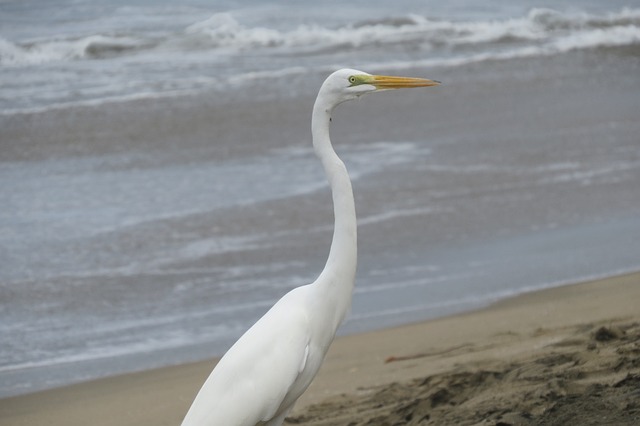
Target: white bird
{"points": [[260, 378]]}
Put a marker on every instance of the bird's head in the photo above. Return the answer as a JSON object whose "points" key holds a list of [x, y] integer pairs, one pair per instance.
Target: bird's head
{"points": [[347, 84]]}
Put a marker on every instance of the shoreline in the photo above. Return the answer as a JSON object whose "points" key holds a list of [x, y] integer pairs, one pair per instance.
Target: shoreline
{"points": [[544, 178], [509, 331]]}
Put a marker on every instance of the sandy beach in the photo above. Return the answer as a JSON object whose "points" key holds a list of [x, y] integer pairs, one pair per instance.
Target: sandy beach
{"points": [[563, 356]]}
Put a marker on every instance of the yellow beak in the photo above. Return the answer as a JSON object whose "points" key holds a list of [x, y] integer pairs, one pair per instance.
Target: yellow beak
{"points": [[383, 82]]}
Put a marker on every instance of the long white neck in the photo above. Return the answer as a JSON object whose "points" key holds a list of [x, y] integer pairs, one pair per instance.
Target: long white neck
{"points": [[337, 278]]}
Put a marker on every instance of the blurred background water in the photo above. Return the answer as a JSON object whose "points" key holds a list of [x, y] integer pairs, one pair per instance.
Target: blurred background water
{"points": [[87, 52]]}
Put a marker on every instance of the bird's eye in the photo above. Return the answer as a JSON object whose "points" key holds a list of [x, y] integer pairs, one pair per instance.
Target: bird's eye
{"points": [[353, 79]]}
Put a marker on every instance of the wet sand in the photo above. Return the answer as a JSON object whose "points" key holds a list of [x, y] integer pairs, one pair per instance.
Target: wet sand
{"points": [[563, 356]]}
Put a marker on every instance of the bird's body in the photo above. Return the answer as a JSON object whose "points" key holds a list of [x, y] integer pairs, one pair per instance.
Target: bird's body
{"points": [[260, 378], [261, 385]]}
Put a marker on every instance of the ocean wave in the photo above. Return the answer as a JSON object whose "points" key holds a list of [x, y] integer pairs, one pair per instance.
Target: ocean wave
{"points": [[222, 32], [65, 49], [220, 53]]}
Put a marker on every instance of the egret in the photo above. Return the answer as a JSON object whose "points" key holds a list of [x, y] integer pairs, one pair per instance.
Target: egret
{"points": [[260, 378]]}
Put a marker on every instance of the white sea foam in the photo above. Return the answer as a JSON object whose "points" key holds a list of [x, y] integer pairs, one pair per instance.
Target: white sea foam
{"points": [[588, 175], [423, 281], [112, 351], [565, 31], [89, 67], [540, 24], [396, 214], [65, 49]]}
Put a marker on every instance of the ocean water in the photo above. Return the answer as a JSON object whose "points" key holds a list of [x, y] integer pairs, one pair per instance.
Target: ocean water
{"points": [[159, 191], [88, 52]]}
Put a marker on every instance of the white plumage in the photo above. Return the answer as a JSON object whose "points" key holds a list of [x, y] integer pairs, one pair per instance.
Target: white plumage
{"points": [[260, 378]]}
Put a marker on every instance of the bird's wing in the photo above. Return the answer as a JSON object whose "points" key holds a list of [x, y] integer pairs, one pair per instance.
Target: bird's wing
{"points": [[281, 357], [255, 377]]}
